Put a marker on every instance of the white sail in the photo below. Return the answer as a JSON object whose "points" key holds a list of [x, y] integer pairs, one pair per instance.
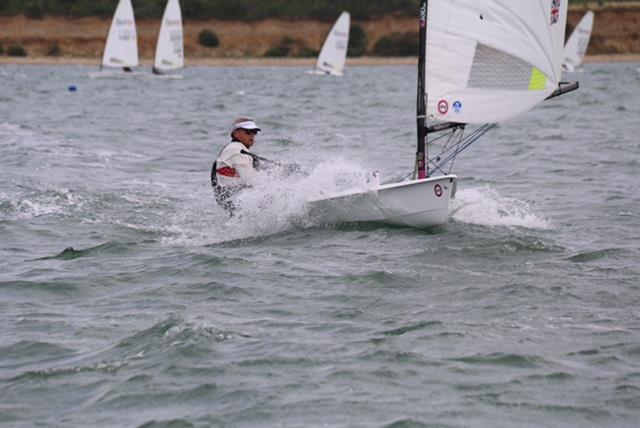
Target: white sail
{"points": [[121, 49], [490, 60], [170, 46], [576, 47], [334, 51]]}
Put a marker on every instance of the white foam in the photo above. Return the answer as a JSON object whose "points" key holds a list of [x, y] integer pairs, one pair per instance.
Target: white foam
{"points": [[484, 206], [55, 201], [6, 126]]}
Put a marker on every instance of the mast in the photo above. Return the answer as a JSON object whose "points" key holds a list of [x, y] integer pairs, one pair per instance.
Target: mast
{"points": [[422, 95]]}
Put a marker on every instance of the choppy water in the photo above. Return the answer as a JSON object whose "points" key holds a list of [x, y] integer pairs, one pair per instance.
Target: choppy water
{"points": [[127, 298]]}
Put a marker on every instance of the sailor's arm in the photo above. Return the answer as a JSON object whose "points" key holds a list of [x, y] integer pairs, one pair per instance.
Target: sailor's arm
{"points": [[243, 165]]}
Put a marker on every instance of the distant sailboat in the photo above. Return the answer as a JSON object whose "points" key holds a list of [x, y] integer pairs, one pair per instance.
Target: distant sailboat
{"points": [[576, 47], [170, 47], [121, 48], [334, 50]]}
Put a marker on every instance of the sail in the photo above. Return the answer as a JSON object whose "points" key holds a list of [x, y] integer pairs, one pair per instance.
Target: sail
{"points": [[491, 60], [121, 49], [334, 51], [169, 49], [576, 47]]}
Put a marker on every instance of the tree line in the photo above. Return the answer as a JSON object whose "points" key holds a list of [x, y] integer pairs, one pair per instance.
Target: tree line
{"points": [[251, 10]]}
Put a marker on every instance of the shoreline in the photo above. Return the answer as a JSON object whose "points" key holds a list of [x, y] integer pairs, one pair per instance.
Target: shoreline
{"points": [[274, 62]]}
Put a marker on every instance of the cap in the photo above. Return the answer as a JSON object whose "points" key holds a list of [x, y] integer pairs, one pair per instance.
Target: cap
{"points": [[248, 124]]}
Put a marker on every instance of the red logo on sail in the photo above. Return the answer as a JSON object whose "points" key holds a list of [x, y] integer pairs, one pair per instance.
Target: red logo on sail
{"points": [[443, 107], [555, 11]]}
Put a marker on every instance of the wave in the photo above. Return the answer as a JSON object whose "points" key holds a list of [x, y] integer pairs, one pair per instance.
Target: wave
{"points": [[590, 256], [503, 360], [486, 207], [71, 253]]}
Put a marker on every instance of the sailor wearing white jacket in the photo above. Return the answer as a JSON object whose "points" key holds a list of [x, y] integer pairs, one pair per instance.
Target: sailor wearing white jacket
{"points": [[235, 166]]}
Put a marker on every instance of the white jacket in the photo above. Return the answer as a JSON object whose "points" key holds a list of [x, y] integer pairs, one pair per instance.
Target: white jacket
{"points": [[234, 168]]}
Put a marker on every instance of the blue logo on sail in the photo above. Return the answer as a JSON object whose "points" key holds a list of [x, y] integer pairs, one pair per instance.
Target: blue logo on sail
{"points": [[457, 107]]}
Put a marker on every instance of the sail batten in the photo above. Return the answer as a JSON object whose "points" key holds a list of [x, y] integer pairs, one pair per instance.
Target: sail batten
{"points": [[491, 60]]}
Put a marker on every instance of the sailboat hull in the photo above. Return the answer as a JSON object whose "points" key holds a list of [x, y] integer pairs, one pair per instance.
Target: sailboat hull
{"points": [[416, 203], [324, 73], [115, 74]]}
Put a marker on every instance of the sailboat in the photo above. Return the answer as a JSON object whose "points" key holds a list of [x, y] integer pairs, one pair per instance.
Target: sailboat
{"points": [[333, 54], [170, 46], [121, 49], [480, 63], [576, 47]]}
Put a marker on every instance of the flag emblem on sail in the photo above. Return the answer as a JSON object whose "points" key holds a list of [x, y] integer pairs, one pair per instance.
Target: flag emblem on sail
{"points": [[555, 11]]}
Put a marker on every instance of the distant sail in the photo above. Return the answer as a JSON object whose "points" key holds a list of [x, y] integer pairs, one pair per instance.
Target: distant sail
{"points": [[121, 49], [334, 51], [576, 47], [491, 60], [170, 46]]}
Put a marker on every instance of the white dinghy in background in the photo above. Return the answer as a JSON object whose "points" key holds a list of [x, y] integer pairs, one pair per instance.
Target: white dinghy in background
{"points": [[169, 55], [333, 54], [121, 49], [578, 43], [479, 63]]}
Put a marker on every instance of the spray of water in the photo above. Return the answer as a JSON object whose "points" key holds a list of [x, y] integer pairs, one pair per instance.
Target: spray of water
{"points": [[484, 206], [275, 202]]}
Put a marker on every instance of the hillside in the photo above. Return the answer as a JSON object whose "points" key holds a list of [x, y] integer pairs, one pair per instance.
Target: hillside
{"points": [[616, 31]]}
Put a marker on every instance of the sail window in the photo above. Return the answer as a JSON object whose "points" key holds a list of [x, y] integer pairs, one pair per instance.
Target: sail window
{"points": [[498, 70]]}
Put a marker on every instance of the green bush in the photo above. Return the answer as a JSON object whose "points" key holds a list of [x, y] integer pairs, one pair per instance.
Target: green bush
{"points": [[279, 50], [54, 50], [1, 49], [291, 47], [305, 52], [16, 50], [397, 44], [208, 38], [357, 41], [34, 11]]}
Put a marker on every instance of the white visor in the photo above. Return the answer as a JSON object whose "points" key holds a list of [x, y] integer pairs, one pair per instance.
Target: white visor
{"points": [[249, 124]]}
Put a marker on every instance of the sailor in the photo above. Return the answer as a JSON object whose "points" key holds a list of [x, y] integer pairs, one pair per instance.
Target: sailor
{"points": [[236, 166]]}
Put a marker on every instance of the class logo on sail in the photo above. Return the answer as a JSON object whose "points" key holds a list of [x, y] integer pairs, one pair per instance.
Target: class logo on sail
{"points": [[555, 11]]}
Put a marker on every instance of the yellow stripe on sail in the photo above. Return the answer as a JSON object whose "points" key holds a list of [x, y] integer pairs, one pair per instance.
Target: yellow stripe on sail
{"points": [[538, 80]]}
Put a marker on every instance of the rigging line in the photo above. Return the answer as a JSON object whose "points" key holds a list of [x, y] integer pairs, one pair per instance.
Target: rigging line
{"points": [[457, 148], [469, 141], [445, 150]]}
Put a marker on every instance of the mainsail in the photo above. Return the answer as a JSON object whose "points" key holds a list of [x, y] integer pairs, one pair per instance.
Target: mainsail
{"points": [[334, 51], [170, 46], [121, 49], [576, 47], [491, 60]]}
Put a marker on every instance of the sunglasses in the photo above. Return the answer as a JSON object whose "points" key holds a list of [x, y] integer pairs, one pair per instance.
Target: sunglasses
{"points": [[250, 131]]}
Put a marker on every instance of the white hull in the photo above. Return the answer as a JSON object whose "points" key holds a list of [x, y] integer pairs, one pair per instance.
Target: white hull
{"points": [[115, 74], [318, 72], [416, 203], [163, 76]]}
